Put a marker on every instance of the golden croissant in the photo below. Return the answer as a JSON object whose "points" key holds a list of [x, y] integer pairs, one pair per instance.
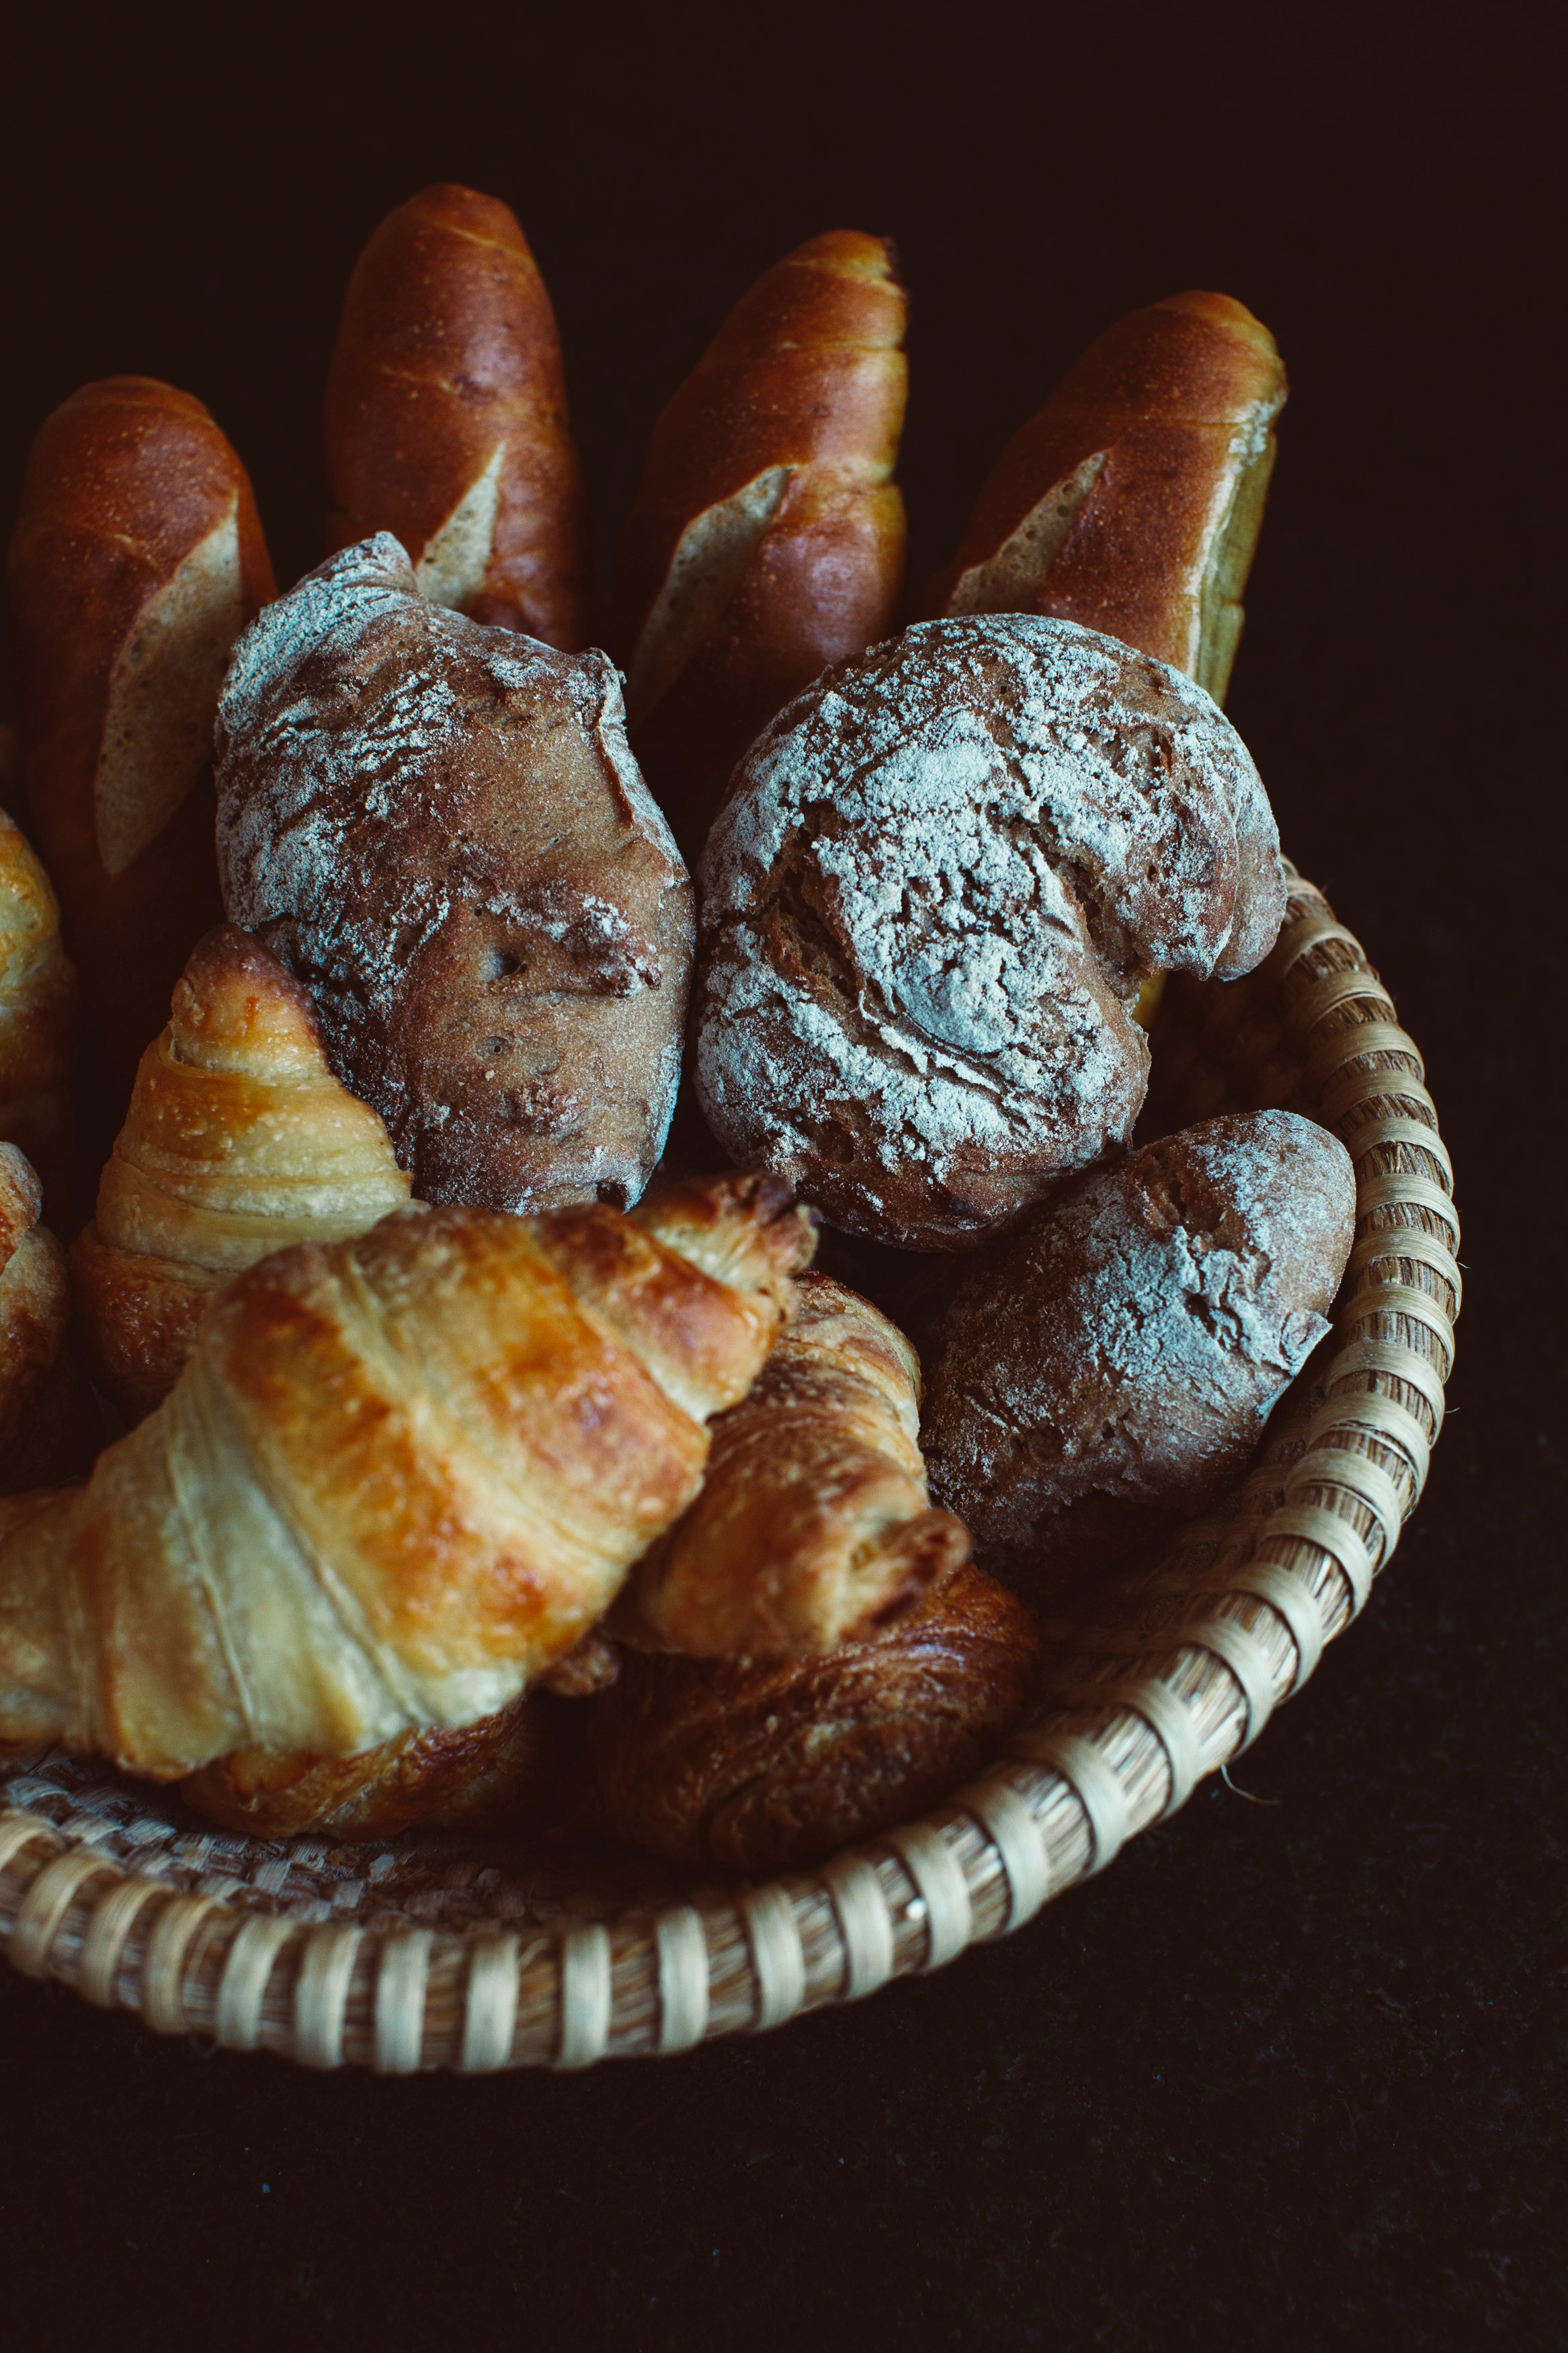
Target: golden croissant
{"points": [[38, 1009], [238, 1141], [398, 1477], [814, 1525], [48, 1428]]}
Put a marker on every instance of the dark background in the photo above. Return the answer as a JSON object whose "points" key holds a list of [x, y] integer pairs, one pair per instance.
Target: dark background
{"points": [[1293, 2072]]}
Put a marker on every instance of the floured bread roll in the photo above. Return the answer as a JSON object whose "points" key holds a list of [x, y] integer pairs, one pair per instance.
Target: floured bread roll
{"points": [[1115, 1363], [439, 830], [929, 904]]}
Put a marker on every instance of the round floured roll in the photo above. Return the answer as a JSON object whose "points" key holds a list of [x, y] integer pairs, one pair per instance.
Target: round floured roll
{"points": [[1114, 1364], [940, 878]]}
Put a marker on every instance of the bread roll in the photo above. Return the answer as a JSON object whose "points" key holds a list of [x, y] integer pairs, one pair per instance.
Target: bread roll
{"points": [[39, 1004], [1115, 1363], [762, 1765], [49, 1426], [1133, 502], [440, 830], [768, 536], [238, 1142], [446, 418], [928, 906], [814, 1525], [136, 561], [398, 1479]]}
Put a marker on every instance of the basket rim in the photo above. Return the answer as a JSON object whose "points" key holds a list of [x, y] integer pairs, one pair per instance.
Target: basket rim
{"points": [[1170, 1675]]}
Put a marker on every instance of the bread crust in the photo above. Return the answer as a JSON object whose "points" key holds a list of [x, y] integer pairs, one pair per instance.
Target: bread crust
{"points": [[813, 1525], [928, 906], [762, 1765], [1131, 503], [238, 1141], [137, 558], [1115, 1363], [767, 539], [440, 830], [446, 418]]}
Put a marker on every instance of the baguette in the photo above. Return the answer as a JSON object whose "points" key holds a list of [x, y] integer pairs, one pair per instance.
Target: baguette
{"points": [[1132, 503], [137, 559], [446, 418], [768, 535]]}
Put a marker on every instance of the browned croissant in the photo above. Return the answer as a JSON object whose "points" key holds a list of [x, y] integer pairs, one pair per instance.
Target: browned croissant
{"points": [[479, 1777], [38, 1012], [768, 536], [238, 1141], [814, 1524], [761, 1764], [398, 1477], [1132, 503], [137, 560], [446, 418], [49, 1429]]}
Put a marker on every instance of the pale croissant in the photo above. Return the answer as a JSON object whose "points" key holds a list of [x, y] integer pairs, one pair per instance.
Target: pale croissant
{"points": [[238, 1141], [814, 1525], [39, 1008], [48, 1428], [397, 1478]]}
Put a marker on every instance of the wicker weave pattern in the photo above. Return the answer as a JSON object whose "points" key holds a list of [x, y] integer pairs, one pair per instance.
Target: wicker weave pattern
{"points": [[422, 1954]]}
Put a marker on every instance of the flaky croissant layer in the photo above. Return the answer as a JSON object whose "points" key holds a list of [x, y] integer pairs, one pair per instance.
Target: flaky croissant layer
{"points": [[399, 1476]]}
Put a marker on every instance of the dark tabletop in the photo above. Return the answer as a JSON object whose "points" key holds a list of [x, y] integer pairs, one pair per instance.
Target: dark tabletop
{"points": [[1292, 2073]]}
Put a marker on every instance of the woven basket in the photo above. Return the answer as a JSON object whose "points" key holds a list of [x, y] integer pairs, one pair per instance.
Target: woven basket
{"points": [[430, 1952]]}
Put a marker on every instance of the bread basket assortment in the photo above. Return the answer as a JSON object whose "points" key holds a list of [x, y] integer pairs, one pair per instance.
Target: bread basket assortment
{"points": [[677, 1328]]}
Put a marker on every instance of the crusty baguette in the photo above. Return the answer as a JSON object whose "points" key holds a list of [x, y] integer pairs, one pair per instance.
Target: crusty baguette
{"points": [[768, 535], [446, 418], [1132, 502], [137, 559]]}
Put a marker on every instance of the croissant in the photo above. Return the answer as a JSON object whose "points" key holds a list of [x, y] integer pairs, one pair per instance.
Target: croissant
{"points": [[767, 539], [814, 1524], [39, 1007], [398, 1477], [761, 1764], [238, 1141], [480, 1777], [49, 1429]]}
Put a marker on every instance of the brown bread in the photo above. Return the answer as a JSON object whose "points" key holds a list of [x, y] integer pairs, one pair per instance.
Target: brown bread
{"points": [[137, 560], [768, 536], [440, 830], [446, 418], [1132, 503]]}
